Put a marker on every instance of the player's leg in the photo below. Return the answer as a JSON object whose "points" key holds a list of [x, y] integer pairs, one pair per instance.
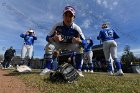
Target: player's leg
{"points": [[30, 55], [8, 61], [4, 62], [115, 58], [48, 58], [55, 60], [85, 63], [90, 63], [112, 63], [78, 57], [23, 67], [106, 49], [23, 54]]}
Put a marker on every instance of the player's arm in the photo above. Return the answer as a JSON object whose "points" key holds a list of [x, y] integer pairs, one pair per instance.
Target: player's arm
{"points": [[54, 36], [99, 36], [34, 36], [23, 35], [80, 36], [49, 37], [91, 42], [115, 36]]}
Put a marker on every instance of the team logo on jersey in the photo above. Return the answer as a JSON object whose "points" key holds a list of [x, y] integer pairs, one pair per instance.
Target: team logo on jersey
{"points": [[67, 38]]}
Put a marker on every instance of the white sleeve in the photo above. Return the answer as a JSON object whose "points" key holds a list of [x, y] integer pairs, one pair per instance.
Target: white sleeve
{"points": [[76, 27]]}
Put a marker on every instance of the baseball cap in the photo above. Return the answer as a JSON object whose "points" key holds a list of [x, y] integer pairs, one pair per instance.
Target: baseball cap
{"points": [[31, 31], [69, 8]]}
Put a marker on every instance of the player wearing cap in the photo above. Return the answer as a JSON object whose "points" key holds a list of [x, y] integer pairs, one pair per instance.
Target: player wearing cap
{"points": [[65, 35], [27, 49], [88, 54], [108, 36]]}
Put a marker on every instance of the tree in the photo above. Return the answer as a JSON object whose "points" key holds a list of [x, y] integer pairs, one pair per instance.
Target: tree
{"points": [[127, 56]]}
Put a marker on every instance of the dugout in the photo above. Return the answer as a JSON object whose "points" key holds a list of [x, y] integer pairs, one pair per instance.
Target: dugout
{"points": [[99, 58]]}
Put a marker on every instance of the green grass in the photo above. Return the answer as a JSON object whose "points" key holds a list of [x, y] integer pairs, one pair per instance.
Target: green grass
{"points": [[92, 83]]}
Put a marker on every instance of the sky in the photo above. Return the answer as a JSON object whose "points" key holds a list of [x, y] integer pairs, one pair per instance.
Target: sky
{"points": [[17, 16]]}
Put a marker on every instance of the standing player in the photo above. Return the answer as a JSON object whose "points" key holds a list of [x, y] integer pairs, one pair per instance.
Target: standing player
{"points": [[108, 37], [88, 54], [8, 56], [65, 35], [27, 49]]}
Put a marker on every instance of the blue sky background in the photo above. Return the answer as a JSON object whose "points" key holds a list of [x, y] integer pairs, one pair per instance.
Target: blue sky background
{"points": [[17, 16]]}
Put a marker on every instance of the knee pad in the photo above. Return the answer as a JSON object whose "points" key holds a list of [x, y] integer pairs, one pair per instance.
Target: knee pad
{"points": [[49, 48]]}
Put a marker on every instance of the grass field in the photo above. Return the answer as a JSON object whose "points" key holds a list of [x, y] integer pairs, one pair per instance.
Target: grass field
{"points": [[96, 82]]}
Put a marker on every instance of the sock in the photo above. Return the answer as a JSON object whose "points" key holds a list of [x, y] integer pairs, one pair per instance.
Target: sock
{"points": [[78, 60], [48, 58], [90, 66], [109, 66], [29, 62], [117, 63], [54, 63], [85, 66]]}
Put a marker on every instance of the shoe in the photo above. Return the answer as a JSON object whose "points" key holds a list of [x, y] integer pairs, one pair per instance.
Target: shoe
{"points": [[80, 73], [110, 73], [10, 67], [4, 68], [85, 70], [45, 71], [91, 71], [119, 73]]}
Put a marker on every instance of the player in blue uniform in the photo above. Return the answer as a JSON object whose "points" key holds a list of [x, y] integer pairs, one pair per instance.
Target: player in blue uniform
{"points": [[88, 54], [27, 49], [108, 36], [65, 35]]}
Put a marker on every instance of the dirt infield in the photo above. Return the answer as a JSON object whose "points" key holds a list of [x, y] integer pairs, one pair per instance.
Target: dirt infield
{"points": [[11, 84]]}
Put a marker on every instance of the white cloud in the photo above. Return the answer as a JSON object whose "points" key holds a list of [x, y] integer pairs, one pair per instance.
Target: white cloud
{"points": [[99, 1], [136, 52], [110, 4], [115, 3], [86, 23], [105, 4]]}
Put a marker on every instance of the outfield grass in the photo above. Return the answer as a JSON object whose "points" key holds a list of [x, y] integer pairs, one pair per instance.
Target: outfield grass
{"points": [[92, 83]]}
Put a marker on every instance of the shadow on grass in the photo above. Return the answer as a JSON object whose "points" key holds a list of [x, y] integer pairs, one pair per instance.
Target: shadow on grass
{"points": [[55, 82], [15, 73], [58, 81]]}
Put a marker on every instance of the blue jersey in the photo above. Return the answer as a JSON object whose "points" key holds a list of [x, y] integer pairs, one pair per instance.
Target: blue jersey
{"points": [[87, 45], [28, 39], [107, 34], [66, 32]]}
